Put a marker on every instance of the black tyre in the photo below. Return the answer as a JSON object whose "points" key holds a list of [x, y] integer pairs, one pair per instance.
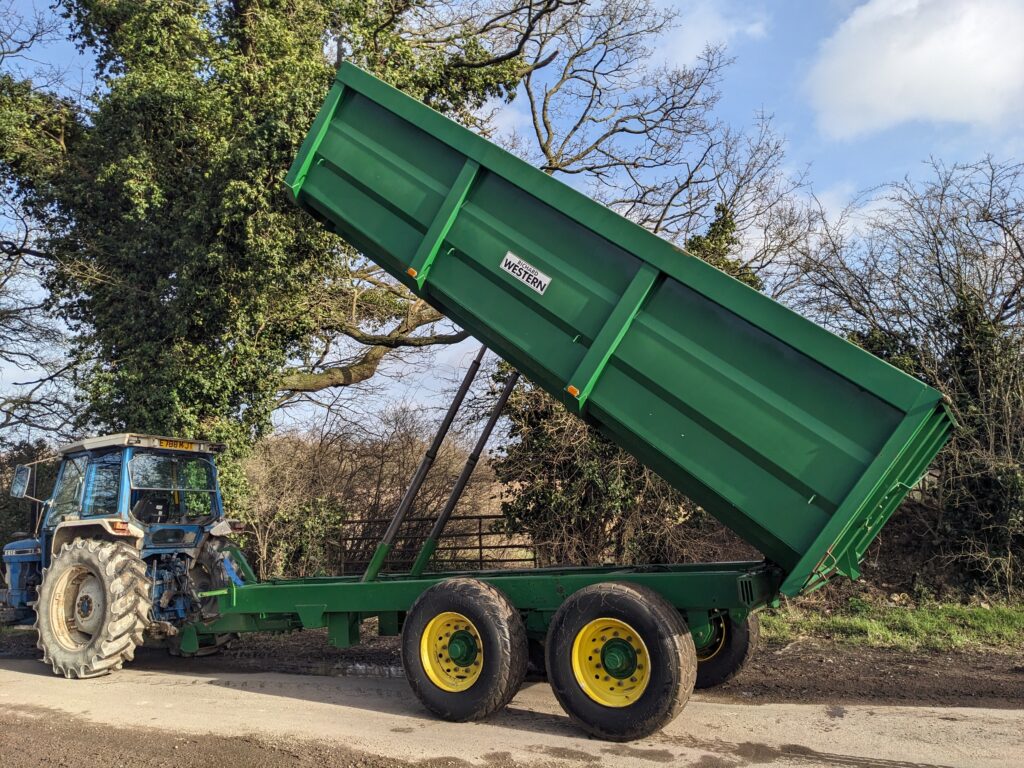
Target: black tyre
{"points": [[206, 574], [732, 646], [464, 649], [620, 660], [93, 608]]}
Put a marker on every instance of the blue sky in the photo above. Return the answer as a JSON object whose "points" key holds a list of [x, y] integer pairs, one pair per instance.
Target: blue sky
{"points": [[864, 90]]}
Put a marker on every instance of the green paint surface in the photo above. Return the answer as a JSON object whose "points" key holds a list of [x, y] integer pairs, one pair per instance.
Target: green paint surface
{"points": [[799, 441]]}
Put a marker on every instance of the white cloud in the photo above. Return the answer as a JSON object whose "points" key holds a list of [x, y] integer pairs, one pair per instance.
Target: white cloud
{"points": [[896, 61], [706, 22]]}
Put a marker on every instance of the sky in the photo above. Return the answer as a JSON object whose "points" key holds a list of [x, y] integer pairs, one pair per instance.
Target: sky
{"points": [[865, 91]]}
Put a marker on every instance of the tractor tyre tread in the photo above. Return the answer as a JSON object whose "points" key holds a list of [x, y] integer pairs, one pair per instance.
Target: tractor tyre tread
{"points": [[122, 575]]}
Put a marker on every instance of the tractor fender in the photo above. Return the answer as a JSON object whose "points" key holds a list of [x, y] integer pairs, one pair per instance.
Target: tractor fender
{"points": [[103, 529]]}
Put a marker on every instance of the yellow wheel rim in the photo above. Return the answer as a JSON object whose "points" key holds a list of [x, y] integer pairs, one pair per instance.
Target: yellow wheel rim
{"points": [[451, 652], [717, 643], [611, 663]]}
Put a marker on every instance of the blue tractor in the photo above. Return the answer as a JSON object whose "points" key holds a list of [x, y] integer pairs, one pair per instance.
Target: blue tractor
{"points": [[131, 537]]}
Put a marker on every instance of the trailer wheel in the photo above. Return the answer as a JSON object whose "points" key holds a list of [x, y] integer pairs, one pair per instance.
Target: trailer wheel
{"points": [[620, 660], [731, 648], [93, 608], [464, 649]]}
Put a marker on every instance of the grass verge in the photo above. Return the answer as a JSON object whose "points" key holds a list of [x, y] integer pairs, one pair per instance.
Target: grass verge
{"points": [[933, 627]]}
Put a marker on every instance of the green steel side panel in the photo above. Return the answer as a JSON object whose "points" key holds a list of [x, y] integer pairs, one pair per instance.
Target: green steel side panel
{"points": [[797, 440]]}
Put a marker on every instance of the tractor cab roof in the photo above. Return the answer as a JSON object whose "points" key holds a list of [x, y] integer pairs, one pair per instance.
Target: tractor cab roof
{"points": [[141, 441]]}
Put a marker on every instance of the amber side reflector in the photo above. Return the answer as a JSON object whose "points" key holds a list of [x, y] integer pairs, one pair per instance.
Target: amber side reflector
{"points": [[120, 528], [411, 272], [572, 391]]}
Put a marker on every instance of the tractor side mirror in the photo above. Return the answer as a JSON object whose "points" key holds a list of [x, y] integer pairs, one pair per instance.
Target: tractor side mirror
{"points": [[19, 485]]}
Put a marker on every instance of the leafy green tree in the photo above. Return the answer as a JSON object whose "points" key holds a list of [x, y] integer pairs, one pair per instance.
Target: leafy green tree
{"points": [[198, 297], [580, 498]]}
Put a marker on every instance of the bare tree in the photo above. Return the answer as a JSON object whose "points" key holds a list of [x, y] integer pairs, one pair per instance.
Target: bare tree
{"points": [[33, 369], [642, 136], [20, 31], [930, 276], [322, 498]]}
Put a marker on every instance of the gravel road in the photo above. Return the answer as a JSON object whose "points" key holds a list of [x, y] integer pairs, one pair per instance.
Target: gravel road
{"points": [[163, 711]]}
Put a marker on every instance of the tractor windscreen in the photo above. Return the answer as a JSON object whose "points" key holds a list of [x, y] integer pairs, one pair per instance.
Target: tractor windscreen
{"points": [[169, 488]]}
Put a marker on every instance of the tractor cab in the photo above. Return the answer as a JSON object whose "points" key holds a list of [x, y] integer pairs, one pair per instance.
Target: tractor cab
{"points": [[159, 495]]}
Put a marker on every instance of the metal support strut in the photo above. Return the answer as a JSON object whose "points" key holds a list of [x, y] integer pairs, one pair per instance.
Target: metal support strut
{"points": [[460, 485], [384, 548]]}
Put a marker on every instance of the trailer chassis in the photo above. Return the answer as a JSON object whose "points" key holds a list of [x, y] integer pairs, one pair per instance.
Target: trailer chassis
{"points": [[698, 600]]}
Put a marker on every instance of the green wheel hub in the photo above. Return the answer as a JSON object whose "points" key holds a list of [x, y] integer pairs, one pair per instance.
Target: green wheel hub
{"points": [[618, 658], [462, 648]]}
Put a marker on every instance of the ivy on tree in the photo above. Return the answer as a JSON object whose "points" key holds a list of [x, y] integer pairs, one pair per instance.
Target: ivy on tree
{"points": [[198, 296]]}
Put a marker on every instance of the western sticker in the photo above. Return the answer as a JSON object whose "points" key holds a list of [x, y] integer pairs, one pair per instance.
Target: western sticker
{"points": [[525, 273]]}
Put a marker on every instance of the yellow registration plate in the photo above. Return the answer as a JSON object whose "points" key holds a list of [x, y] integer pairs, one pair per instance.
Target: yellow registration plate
{"points": [[181, 445]]}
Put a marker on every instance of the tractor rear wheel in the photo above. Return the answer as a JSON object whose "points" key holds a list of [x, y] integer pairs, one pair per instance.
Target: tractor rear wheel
{"points": [[464, 649], [732, 646], [93, 608], [620, 660]]}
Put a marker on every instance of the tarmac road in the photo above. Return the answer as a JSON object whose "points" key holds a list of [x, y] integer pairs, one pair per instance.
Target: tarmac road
{"points": [[255, 719]]}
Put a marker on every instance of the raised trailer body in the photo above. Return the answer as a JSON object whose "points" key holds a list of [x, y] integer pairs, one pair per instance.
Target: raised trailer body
{"points": [[797, 440]]}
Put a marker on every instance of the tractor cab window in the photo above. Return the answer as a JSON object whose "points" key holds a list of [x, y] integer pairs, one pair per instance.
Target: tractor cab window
{"points": [[168, 488], [102, 484], [66, 501]]}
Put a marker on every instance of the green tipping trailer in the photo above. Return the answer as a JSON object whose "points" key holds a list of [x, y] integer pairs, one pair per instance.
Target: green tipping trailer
{"points": [[797, 440]]}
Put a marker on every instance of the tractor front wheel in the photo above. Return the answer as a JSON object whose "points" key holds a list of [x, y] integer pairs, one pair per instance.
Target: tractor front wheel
{"points": [[93, 607]]}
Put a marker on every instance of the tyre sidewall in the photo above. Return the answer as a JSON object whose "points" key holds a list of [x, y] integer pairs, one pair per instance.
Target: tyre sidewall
{"points": [[659, 703], [504, 664], [740, 644]]}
